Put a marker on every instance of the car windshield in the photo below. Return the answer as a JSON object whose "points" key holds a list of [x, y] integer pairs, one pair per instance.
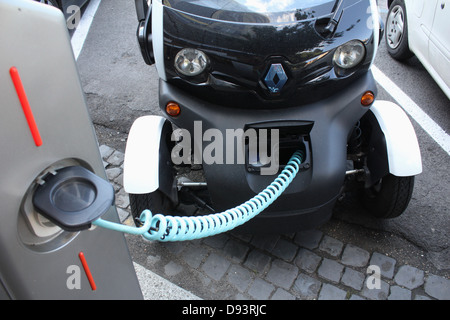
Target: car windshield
{"points": [[239, 10], [259, 6]]}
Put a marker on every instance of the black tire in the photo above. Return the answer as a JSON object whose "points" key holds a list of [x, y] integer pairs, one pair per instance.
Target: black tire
{"points": [[156, 202], [390, 197], [396, 36]]}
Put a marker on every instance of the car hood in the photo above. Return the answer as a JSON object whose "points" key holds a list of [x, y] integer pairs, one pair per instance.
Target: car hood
{"points": [[242, 45], [254, 11]]}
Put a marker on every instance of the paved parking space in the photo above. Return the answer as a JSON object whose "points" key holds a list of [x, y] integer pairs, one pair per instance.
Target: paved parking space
{"points": [[307, 265]]}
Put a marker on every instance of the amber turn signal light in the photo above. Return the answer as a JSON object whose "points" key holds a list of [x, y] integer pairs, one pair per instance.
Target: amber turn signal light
{"points": [[173, 109], [367, 98]]}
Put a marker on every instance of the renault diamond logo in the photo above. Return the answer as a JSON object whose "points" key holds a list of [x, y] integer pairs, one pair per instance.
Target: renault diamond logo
{"points": [[276, 78]]}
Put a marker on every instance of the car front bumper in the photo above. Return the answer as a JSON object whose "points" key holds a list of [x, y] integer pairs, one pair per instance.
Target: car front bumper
{"points": [[323, 128]]}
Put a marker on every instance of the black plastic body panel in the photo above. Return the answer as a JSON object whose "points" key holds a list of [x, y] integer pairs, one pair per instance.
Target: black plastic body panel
{"points": [[376, 149], [142, 9], [309, 199], [144, 32], [241, 54]]}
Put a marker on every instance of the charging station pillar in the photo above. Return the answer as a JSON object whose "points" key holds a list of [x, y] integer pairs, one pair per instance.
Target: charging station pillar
{"points": [[45, 127]]}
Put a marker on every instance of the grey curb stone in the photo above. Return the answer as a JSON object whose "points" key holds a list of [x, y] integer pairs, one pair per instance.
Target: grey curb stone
{"points": [[330, 270], [122, 199], [399, 293], [172, 269], [260, 289], [215, 266], [331, 246], [330, 292], [106, 151], [194, 255], [307, 287], [236, 251], [409, 277], [123, 214], [355, 256], [239, 277], [176, 247], [353, 279], [307, 260], [282, 274], [116, 158], [386, 264], [257, 261], [217, 241], [421, 297], [285, 250], [356, 297], [376, 294], [282, 294], [438, 287], [112, 173]]}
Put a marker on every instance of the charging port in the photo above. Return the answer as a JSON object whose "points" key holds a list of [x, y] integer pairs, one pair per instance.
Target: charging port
{"points": [[276, 143]]}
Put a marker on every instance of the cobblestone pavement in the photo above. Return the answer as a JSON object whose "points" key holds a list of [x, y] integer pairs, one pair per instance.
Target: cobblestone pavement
{"points": [[337, 261]]}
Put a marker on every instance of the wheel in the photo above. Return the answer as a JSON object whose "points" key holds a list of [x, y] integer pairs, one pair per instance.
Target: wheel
{"points": [[156, 202], [389, 197], [397, 32]]}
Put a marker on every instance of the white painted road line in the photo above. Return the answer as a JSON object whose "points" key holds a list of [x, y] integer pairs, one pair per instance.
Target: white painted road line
{"points": [[80, 34], [431, 127]]}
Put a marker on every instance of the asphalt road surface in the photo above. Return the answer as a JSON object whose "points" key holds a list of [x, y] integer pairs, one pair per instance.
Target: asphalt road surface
{"points": [[120, 87]]}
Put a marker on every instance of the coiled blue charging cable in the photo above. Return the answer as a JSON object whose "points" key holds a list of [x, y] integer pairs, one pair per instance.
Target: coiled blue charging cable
{"points": [[168, 228]]}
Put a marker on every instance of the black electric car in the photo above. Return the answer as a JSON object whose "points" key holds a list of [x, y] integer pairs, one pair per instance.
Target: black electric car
{"points": [[301, 68]]}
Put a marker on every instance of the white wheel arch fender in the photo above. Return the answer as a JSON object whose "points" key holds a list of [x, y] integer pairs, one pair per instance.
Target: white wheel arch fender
{"points": [[403, 151], [141, 163]]}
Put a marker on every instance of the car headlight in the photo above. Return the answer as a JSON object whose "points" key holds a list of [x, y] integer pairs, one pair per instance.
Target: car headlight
{"points": [[191, 62], [350, 54]]}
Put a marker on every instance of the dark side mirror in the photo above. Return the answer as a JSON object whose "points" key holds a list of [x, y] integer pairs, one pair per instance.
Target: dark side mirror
{"points": [[141, 9], [144, 30]]}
